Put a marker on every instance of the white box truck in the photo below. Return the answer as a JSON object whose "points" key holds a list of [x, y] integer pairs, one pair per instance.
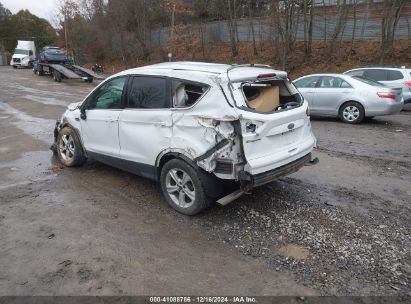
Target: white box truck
{"points": [[24, 54]]}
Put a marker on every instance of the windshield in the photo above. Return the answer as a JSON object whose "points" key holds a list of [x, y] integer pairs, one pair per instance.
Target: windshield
{"points": [[369, 81], [21, 52]]}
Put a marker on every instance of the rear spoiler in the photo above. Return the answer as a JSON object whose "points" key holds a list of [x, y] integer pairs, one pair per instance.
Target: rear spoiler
{"points": [[257, 76]]}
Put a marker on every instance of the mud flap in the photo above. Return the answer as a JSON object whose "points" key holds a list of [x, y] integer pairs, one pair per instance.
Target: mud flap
{"points": [[313, 162]]}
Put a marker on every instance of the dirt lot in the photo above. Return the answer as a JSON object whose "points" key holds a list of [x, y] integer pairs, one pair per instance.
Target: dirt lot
{"points": [[339, 228]]}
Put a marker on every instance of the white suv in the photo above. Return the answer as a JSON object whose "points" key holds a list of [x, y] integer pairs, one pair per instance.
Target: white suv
{"points": [[390, 76], [200, 129]]}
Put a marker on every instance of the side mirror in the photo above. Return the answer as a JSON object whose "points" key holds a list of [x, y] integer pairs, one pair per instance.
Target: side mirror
{"points": [[83, 115]]}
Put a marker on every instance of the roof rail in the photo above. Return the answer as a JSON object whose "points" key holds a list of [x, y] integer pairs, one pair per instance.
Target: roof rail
{"points": [[386, 66]]}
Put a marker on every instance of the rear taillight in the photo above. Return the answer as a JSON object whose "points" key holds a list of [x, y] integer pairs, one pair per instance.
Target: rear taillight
{"points": [[408, 84], [268, 75], [386, 95]]}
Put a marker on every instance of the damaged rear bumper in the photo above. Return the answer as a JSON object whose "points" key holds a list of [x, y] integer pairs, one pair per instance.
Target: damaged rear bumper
{"points": [[248, 181], [269, 176]]}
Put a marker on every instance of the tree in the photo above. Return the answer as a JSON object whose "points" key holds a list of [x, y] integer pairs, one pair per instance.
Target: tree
{"points": [[391, 15], [25, 25]]}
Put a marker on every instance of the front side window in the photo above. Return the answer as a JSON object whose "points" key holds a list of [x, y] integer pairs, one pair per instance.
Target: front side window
{"points": [[108, 96], [148, 93], [307, 82], [186, 94]]}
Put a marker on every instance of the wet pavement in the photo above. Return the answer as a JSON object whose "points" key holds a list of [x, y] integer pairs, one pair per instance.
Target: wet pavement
{"points": [[339, 228]]}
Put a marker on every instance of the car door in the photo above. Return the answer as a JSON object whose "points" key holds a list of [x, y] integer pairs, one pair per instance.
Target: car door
{"points": [[328, 94], [99, 126], [306, 86], [145, 125]]}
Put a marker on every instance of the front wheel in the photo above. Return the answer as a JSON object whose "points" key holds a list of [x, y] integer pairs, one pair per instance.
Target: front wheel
{"points": [[352, 112], [69, 149], [183, 188]]}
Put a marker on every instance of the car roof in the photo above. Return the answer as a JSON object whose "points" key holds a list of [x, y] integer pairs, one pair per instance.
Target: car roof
{"points": [[380, 68], [202, 67], [325, 74]]}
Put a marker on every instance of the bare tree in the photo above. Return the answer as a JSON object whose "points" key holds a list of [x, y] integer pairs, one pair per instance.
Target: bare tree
{"points": [[307, 7], [232, 26], [341, 19], [286, 20], [391, 15]]}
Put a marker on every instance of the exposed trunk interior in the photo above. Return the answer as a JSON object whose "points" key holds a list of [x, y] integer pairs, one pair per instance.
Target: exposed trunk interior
{"points": [[266, 97]]}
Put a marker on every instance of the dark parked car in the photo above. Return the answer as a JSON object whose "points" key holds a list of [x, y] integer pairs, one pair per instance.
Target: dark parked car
{"points": [[52, 54]]}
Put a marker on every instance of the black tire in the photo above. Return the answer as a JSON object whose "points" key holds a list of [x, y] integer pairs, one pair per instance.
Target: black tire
{"points": [[194, 185], [14, 67], [56, 76], [352, 112], [69, 149]]}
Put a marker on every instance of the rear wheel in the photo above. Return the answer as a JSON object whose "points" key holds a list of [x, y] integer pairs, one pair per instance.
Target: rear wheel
{"points": [[352, 112], [182, 187], [69, 149], [56, 76]]}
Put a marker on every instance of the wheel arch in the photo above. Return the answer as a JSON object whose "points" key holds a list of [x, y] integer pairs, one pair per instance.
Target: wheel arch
{"points": [[170, 154], [76, 131]]}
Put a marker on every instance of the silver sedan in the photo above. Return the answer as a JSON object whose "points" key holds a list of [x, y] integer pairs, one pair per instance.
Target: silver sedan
{"points": [[350, 98]]}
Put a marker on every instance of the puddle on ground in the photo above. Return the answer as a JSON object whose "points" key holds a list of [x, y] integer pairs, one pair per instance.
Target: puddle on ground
{"points": [[294, 251]]}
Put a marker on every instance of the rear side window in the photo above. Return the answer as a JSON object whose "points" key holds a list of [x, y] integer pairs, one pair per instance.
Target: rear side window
{"points": [[376, 74], [307, 82], [148, 93], [333, 82], [186, 94], [395, 75]]}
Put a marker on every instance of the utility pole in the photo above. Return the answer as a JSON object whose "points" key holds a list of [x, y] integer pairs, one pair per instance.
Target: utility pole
{"points": [[65, 30], [172, 19]]}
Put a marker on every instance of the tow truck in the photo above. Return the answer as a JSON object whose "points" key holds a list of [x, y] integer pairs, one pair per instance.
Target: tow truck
{"points": [[65, 70]]}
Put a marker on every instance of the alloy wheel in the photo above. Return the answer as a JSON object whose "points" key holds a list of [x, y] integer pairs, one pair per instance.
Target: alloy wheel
{"points": [[67, 147], [180, 188]]}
